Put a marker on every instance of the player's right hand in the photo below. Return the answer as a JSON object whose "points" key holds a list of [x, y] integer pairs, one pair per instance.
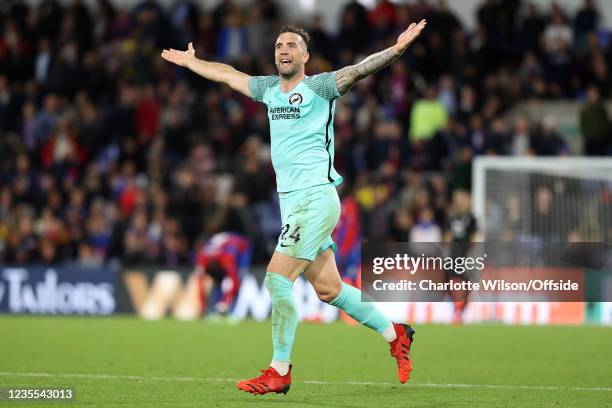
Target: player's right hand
{"points": [[181, 58]]}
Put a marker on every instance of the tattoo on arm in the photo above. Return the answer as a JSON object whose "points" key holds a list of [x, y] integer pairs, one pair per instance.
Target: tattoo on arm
{"points": [[347, 76]]}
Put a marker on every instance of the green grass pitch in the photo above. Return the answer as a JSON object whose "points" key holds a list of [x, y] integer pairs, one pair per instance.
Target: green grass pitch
{"points": [[126, 362]]}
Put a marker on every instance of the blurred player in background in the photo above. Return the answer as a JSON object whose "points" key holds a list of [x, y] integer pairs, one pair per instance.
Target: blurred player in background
{"points": [[347, 236], [460, 233], [301, 113], [220, 265]]}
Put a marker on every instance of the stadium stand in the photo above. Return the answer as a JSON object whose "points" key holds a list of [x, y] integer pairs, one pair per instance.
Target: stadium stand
{"points": [[107, 152]]}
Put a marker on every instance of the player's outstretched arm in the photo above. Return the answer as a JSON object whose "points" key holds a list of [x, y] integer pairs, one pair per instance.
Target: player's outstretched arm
{"points": [[213, 71], [347, 76]]}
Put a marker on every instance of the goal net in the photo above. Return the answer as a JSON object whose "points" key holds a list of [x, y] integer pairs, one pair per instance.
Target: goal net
{"points": [[547, 200]]}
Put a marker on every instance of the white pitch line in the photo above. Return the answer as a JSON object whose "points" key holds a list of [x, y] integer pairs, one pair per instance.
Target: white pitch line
{"points": [[315, 382]]}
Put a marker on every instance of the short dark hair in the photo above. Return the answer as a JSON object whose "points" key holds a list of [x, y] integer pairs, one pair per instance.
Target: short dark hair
{"points": [[296, 30]]}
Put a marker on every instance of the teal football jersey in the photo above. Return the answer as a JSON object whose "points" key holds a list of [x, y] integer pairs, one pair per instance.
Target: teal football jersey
{"points": [[301, 129]]}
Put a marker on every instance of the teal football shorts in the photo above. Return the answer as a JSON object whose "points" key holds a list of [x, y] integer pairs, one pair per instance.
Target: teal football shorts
{"points": [[309, 216]]}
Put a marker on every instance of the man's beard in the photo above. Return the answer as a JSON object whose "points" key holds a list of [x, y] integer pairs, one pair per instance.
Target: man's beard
{"points": [[288, 74]]}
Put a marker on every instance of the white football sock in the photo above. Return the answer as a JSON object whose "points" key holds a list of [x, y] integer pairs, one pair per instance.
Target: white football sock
{"points": [[281, 367], [389, 333]]}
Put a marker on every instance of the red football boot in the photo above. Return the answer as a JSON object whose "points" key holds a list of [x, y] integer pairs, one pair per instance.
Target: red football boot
{"points": [[269, 381], [400, 349]]}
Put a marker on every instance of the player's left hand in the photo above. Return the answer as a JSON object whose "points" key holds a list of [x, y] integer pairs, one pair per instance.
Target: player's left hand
{"points": [[407, 37]]}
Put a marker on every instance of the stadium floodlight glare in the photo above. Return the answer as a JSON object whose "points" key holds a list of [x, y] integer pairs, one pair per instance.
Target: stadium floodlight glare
{"points": [[307, 6]]}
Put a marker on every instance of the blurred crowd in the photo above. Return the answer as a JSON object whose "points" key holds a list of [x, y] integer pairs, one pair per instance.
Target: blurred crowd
{"points": [[107, 151]]}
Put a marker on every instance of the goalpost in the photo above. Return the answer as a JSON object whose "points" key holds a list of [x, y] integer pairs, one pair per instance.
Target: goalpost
{"points": [[558, 199]]}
